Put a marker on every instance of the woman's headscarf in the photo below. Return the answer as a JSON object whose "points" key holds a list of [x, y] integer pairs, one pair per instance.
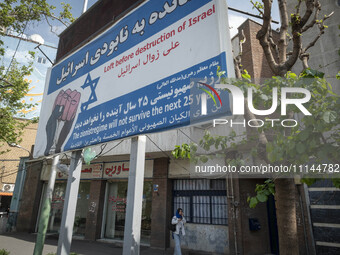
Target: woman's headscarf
{"points": [[177, 213]]}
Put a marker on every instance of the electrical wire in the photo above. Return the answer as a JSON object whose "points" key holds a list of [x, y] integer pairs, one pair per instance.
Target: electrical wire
{"points": [[101, 153], [167, 154], [11, 172], [16, 50], [109, 149], [64, 156], [102, 148]]}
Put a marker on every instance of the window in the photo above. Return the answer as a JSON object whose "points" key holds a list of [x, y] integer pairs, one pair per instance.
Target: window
{"points": [[57, 206], [41, 60], [202, 201]]}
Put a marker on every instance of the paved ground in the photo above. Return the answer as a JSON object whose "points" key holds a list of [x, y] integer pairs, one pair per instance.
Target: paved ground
{"points": [[23, 244]]}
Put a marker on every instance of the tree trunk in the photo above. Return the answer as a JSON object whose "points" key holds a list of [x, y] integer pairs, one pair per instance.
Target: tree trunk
{"points": [[286, 216]]}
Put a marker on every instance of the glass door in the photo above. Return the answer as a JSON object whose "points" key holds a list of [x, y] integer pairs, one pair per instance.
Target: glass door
{"points": [[116, 210]]}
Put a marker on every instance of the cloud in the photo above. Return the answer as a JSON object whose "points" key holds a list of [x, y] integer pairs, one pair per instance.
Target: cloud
{"points": [[234, 22], [20, 56]]}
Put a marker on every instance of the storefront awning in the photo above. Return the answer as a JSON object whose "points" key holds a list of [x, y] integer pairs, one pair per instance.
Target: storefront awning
{"points": [[6, 194]]}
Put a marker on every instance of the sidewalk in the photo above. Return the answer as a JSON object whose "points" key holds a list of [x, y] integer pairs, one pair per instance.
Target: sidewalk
{"points": [[23, 244]]}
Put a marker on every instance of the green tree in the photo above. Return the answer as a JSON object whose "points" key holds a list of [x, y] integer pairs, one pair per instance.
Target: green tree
{"points": [[281, 60], [16, 15], [305, 143], [313, 143]]}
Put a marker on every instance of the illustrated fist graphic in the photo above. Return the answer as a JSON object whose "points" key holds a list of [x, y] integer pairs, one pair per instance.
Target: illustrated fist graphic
{"points": [[69, 101]]}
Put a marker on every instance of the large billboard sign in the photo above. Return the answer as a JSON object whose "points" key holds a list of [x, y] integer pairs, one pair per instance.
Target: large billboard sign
{"points": [[136, 77]]}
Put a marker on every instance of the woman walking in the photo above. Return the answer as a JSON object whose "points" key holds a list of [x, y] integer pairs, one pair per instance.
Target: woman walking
{"points": [[179, 221]]}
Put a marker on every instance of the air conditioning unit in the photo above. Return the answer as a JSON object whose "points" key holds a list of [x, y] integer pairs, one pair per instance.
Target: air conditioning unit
{"points": [[8, 187]]}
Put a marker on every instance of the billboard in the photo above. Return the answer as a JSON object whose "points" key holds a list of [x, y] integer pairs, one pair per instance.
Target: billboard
{"points": [[136, 77]]}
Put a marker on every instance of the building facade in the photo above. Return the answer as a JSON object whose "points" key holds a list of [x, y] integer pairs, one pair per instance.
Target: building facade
{"points": [[219, 218], [10, 162]]}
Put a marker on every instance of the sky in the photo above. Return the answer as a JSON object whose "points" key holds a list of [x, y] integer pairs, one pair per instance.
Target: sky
{"points": [[41, 28]]}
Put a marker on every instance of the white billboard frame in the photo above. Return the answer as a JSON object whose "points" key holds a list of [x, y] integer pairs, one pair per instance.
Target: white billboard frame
{"points": [[73, 95]]}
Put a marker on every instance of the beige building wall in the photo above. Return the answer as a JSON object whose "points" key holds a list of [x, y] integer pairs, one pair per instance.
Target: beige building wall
{"points": [[9, 162]]}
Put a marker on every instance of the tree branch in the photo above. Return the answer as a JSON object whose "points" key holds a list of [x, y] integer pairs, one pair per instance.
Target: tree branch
{"points": [[253, 132], [283, 61], [304, 55], [6, 86], [56, 18], [256, 7], [283, 31], [312, 43], [298, 7], [272, 43], [314, 20], [297, 42], [51, 27], [308, 13], [262, 36], [238, 58], [322, 31]]}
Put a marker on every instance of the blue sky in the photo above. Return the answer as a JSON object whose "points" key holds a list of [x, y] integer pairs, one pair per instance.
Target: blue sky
{"points": [[41, 28]]}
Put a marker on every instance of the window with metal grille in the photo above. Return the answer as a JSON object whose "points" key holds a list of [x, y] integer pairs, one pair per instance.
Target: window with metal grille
{"points": [[202, 201]]}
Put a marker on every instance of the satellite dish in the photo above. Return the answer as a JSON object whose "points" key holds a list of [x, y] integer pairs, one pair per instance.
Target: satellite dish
{"points": [[37, 38]]}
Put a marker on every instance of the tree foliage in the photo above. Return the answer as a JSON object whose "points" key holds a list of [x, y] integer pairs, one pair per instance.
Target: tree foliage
{"points": [[307, 142], [16, 15], [12, 89]]}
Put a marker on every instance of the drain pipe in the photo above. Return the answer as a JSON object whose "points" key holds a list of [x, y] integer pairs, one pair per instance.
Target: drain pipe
{"points": [[233, 204], [303, 218]]}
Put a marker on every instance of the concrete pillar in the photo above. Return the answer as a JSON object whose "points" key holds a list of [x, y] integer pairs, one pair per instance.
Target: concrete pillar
{"points": [[70, 204], [132, 229], [161, 205]]}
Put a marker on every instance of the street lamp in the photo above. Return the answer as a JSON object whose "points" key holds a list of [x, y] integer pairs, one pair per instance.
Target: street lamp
{"points": [[20, 147]]}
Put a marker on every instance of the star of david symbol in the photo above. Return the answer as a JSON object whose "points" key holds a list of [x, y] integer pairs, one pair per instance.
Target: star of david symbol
{"points": [[93, 85]]}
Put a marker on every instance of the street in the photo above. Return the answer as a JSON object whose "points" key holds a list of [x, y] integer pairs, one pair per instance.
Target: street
{"points": [[23, 244]]}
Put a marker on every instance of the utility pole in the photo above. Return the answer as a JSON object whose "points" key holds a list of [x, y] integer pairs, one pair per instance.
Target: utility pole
{"points": [[85, 6], [46, 209]]}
